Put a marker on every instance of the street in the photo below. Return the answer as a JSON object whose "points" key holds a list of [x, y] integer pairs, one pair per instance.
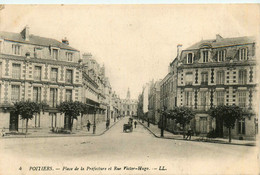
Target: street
{"points": [[124, 152]]}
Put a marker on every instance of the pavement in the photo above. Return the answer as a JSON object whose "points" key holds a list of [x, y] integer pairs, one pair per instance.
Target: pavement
{"points": [[117, 152], [168, 135], [46, 132]]}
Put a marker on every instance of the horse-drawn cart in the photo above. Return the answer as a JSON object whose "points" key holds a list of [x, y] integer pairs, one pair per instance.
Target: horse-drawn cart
{"points": [[128, 127]]}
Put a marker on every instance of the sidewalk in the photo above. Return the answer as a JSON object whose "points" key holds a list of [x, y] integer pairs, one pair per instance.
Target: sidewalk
{"points": [[168, 135], [46, 132]]}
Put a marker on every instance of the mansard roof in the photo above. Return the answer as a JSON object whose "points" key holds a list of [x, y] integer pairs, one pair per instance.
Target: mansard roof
{"points": [[222, 42], [36, 40]]}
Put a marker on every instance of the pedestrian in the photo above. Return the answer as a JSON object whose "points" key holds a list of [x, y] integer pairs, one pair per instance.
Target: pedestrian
{"points": [[189, 134], [3, 132], [88, 125], [135, 123], [107, 124]]}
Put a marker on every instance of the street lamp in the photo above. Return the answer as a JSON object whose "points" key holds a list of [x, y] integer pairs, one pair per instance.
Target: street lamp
{"points": [[94, 126]]}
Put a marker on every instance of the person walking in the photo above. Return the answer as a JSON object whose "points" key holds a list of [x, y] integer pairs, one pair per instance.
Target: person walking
{"points": [[88, 125], [135, 123], [107, 124], [189, 134]]}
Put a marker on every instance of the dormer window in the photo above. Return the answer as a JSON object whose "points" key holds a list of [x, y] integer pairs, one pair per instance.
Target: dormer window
{"points": [[16, 49], [38, 52], [242, 53], [69, 56], [190, 58], [221, 55], [205, 56], [55, 53]]}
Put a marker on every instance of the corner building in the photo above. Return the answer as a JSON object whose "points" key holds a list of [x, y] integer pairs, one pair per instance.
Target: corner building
{"points": [[37, 69], [216, 72]]}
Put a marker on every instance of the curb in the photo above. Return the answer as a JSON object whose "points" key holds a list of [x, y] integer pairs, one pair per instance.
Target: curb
{"points": [[69, 135], [195, 140]]}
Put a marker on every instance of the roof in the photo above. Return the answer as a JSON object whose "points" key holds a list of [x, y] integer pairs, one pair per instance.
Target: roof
{"points": [[36, 40], [223, 42]]}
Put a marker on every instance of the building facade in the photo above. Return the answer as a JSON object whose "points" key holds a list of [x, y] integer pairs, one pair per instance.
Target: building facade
{"points": [[219, 72], [128, 105], [154, 102], [37, 69]]}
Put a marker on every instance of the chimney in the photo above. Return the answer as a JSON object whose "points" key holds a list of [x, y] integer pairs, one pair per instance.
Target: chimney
{"points": [[65, 41], [218, 37], [25, 33], [86, 56], [179, 49]]}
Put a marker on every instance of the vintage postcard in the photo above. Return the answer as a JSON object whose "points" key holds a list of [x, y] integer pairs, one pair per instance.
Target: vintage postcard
{"points": [[129, 89]]}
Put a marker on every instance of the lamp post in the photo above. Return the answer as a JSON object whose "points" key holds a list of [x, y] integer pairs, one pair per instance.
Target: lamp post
{"points": [[94, 125]]}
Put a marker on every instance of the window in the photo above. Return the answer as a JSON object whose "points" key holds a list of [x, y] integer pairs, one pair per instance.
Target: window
{"points": [[37, 94], [38, 52], [55, 54], [220, 77], [205, 55], [203, 99], [242, 54], [242, 99], [37, 72], [16, 49], [68, 95], [53, 97], [242, 77], [241, 126], [220, 98], [221, 55], [54, 74], [15, 94], [204, 78], [188, 98], [16, 71], [69, 56], [188, 78], [189, 58], [68, 76]]}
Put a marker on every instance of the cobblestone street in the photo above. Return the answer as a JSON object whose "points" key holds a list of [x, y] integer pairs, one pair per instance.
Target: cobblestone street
{"points": [[125, 150]]}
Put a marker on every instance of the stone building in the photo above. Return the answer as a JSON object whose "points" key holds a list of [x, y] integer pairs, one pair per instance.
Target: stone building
{"points": [[220, 71], [128, 105], [38, 69], [154, 102], [98, 91]]}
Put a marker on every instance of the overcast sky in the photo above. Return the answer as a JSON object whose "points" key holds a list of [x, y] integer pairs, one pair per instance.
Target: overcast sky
{"points": [[135, 42]]}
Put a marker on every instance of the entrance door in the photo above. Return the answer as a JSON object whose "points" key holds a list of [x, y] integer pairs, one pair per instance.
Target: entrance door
{"points": [[13, 125], [203, 125]]}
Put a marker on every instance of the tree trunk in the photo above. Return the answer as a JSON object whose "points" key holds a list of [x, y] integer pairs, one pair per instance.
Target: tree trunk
{"points": [[81, 123], [71, 124], [229, 135], [183, 126], [26, 126]]}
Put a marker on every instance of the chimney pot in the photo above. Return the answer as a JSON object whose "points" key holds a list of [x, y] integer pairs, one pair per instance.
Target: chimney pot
{"points": [[65, 41], [25, 33]]}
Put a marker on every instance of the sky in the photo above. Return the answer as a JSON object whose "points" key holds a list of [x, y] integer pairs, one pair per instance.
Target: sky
{"points": [[136, 43]]}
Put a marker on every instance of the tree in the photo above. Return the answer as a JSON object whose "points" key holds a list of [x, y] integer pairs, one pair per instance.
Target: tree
{"points": [[26, 109], [84, 109], [227, 114], [182, 115], [71, 110]]}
